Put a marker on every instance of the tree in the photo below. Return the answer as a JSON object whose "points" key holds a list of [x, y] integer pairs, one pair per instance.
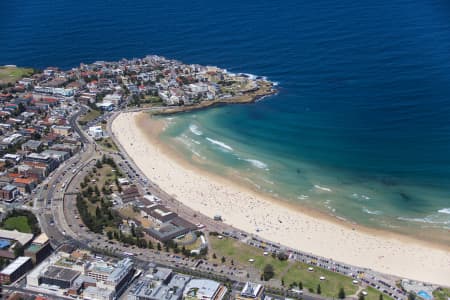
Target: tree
{"points": [[411, 296], [282, 256], [268, 272], [223, 259], [341, 294], [158, 246], [98, 164], [381, 297], [98, 213], [300, 285], [361, 296], [319, 290], [150, 245], [282, 281], [110, 235], [214, 256], [18, 249]]}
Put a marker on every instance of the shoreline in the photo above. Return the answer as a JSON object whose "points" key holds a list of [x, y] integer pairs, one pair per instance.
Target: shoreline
{"points": [[291, 226], [265, 89]]}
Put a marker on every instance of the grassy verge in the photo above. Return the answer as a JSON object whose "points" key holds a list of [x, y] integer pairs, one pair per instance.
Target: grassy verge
{"points": [[13, 74], [89, 116], [108, 145]]}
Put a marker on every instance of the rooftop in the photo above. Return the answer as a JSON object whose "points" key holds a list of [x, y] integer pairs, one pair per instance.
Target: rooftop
{"points": [[202, 288], [251, 290], [22, 238], [17, 263], [61, 273], [41, 239]]}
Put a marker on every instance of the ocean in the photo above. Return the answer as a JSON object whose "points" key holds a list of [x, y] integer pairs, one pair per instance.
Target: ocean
{"points": [[360, 127]]}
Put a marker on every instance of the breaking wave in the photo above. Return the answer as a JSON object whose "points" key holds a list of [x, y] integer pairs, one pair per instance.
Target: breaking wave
{"points": [[444, 211], [256, 163], [322, 188], [194, 129], [219, 143]]}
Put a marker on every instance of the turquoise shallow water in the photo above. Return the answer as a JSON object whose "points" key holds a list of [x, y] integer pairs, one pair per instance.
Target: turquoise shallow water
{"points": [[375, 200]]}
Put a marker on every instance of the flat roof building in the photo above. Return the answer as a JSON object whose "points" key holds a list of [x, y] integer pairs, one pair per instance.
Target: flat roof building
{"points": [[21, 237], [58, 276], [16, 269], [204, 289]]}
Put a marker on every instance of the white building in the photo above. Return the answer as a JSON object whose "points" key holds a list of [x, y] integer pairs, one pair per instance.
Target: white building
{"points": [[115, 99], [204, 289], [96, 132]]}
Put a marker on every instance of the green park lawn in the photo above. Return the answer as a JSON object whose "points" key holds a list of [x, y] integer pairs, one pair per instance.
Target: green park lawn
{"points": [[289, 272], [441, 294], [18, 223], [311, 279]]}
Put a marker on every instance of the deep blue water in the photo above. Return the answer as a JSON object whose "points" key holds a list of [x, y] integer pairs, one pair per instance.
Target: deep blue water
{"points": [[364, 85]]}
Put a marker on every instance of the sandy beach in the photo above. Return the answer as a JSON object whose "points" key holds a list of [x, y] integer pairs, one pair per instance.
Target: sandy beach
{"points": [[247, 210]]}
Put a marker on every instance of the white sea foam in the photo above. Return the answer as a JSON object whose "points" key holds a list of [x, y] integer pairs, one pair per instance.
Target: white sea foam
{"points": [[257, 164], [219, 143], [427, 220], [322, 188], [444, 211], [372, 212], [194, 129], [303, 197], [250, 76], [360, 197]]}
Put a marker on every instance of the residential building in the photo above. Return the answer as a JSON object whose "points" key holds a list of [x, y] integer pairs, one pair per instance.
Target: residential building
{"points": [[32, 145], [15, 270], [8, 192]]}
